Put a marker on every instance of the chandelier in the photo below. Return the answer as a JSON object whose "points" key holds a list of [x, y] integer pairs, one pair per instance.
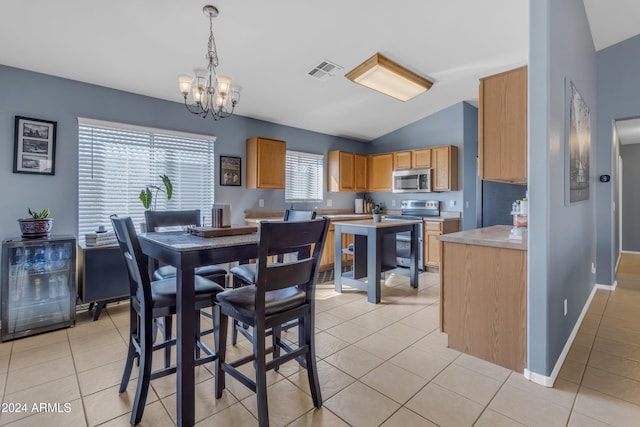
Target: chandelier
{"points": [[211, 93]]}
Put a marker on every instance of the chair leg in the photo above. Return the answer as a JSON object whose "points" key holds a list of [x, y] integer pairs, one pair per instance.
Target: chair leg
{"points": [[221, 325], [168, 326], [276, 335], [312, 369], [197, 325], [131, 354], [260, 363], [144, 376]]}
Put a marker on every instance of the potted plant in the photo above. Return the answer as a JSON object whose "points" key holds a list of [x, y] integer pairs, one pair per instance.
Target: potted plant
{"points": [[39, 225], [377, 213], [147, 197]]}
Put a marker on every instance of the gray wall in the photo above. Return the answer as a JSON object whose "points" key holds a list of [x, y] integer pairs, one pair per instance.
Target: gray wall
{"points": [[497, 198], [618, 98], [561, 238], [41, 96], [450, 126], [631, 206]]}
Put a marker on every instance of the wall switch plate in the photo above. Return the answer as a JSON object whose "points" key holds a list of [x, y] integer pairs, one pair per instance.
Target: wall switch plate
{"points": [[452, 203], [261, 203], [467, 204], [593, 268], [565, 306], [329, 202]]}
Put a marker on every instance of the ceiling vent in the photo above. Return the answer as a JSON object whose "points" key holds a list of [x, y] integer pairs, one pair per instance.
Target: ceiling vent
{"points": [[324, 70]]}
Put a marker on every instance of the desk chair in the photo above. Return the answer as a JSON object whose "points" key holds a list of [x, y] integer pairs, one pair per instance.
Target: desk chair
{"points": [[158, 219], [283, 292], [150, 301], [245, 274]]}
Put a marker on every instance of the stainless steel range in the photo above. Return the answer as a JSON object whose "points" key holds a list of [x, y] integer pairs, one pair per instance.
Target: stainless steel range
{"points": [[413, 209]]}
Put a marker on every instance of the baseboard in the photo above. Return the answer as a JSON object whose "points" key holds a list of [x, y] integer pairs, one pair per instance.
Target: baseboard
{"points": [[610, 288], [548, 381], [629, 252]]}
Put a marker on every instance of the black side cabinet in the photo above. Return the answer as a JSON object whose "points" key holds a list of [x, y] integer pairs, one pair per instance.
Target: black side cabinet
{"points": [[102, 276]]}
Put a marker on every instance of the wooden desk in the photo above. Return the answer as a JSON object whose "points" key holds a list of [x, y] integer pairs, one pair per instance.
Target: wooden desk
{"points": [[186, 252], [372, 236]]}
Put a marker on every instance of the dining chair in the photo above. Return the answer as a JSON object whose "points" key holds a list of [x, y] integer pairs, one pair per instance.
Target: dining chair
{"points": [[149, 302], [157, 219], [245, 274], [282, 292]]}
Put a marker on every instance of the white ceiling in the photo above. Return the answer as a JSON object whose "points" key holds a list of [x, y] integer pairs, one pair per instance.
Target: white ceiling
{"points": [[269, 46]]}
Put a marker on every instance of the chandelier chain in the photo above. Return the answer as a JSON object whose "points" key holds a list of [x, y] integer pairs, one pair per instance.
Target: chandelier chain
{"points": [[212, 54]]}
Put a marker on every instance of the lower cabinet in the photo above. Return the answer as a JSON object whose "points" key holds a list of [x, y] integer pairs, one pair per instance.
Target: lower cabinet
{"points": [[328, 252], [431, 245]]}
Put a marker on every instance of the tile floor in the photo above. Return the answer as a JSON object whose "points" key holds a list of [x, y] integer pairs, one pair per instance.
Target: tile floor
{"points": [[384, 364]]}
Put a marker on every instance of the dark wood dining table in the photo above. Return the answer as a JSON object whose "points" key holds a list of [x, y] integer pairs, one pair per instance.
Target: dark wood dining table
{"points": [[186, 252]]}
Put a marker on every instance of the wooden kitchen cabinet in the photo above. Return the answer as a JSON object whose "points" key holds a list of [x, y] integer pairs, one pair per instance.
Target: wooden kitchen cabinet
{"points": [[444, 162], [266, 160], [421, 159], [402, 160], [360, 173], [328, 251], [347, 172], [380, 169], [431, 245], [502, 127]]}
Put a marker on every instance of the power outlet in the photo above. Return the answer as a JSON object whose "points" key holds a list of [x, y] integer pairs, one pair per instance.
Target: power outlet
{"points": [[565, 307], [329, 202], [261, 203], [593, 268], [452, 203]]}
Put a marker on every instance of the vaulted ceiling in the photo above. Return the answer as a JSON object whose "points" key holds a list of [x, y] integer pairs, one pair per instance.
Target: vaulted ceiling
{"points": [[268, 47]]}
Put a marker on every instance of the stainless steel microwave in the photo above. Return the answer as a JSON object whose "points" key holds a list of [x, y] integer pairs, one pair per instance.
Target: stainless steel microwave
{"points": [[412, 181]]}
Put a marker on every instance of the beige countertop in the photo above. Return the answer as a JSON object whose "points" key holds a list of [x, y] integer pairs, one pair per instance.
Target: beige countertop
{"points": [[382, 224], [332, 217], [496, 236]]}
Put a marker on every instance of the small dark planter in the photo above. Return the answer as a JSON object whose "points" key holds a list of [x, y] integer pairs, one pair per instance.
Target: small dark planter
{"points": [[34, 228]]}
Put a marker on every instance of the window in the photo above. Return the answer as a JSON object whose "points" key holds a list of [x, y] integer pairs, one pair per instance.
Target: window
{"points": [[116, 161], [304, 173]]}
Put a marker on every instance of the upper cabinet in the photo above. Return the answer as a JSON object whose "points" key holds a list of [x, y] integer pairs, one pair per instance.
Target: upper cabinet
{"points": [[444, 164], [360, 173], [380, 168], [402, 160], [502, 127], [347, 172], [266, 163], [421, 158]]}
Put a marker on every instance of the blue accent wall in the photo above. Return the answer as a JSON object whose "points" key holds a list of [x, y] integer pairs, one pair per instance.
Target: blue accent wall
{"points": [[41, 96], [456, 125], [618, 98], [561, 237]]}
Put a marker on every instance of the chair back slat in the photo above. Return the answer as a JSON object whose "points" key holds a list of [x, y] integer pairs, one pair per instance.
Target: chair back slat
{"points": [[285, 237], [294, 215], [157, 219], [139, 282], [284, 275]]}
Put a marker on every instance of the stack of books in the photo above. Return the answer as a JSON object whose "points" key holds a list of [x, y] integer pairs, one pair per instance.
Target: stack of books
{"points": [[101, 239]]}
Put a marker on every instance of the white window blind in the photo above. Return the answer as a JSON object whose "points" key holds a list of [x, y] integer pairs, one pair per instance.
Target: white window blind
{"points": [[304, 177], [117, 161]]}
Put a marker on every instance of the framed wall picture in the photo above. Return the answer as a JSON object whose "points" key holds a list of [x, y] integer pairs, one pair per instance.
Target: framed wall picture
{"points": [[34, 149], [230, 171], [577, 146]]}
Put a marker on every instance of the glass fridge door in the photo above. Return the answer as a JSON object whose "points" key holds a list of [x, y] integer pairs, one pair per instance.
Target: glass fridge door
{"points": [[40, 287]]}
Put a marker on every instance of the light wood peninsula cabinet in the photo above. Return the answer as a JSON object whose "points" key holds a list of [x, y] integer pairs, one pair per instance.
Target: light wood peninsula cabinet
{"points": [[431, 245], [347, 172], [483, 293], [266, 160], [444, 162], [380, 169], [502, 127]]}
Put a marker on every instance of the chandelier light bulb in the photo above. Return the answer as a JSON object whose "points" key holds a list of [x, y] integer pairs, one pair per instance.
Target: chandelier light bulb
{"points": [[184, 82]]}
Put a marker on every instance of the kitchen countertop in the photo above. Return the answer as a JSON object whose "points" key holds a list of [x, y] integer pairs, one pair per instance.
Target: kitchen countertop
{"points": [[496, 236], [333, 217], [382, 224]]}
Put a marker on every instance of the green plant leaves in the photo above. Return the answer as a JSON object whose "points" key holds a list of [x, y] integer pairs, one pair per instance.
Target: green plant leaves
{"points": [[145, 197], [39, 215], [167, 185]]}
